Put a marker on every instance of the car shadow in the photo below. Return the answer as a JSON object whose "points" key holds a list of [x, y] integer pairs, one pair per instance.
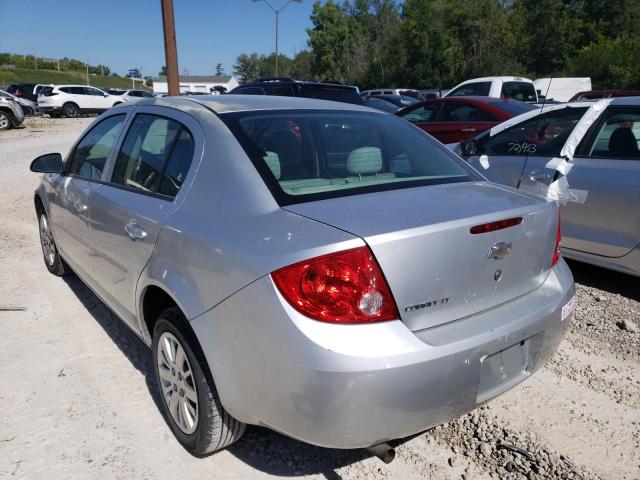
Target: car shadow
{"points": [[259, 448], [607, 280]]}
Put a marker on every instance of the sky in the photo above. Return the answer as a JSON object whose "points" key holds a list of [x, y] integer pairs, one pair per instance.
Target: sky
{"points": [[124, 34]]}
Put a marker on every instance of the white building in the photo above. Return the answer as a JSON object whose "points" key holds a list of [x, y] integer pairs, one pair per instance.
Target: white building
{"points": [[197, 83]]}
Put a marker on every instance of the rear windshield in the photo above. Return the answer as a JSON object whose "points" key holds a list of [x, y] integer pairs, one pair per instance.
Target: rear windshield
{"points": [[328, 92], [513, 108], [317, 154], [523, 91]]}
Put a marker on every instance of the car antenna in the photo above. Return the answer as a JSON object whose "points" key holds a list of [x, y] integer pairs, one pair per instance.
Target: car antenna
{"points": [[544, 101]]}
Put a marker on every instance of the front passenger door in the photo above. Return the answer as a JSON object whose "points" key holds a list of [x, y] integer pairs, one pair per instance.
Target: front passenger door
{"points": [[71, 196], [607, 167], [128, 212]]}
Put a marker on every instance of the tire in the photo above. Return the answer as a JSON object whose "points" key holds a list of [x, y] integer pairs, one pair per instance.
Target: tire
{"points": [[50, 255], [7, 120], [205, 426], [28, 111], [70, 110]]}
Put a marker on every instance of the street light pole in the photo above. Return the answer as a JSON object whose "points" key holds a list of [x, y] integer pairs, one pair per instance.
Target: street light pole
{"points": [[277, 14]]}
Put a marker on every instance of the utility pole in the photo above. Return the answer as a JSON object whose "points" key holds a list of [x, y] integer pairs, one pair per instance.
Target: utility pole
{"points": [[277, 13], [87, 65], [170, 51]]}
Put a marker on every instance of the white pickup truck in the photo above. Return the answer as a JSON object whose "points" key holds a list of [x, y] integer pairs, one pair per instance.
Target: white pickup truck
{"points": [[518, 88]]}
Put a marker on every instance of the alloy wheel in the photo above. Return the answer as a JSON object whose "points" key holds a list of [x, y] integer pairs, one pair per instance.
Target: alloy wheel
{"points": [[4, 122], [46, 240], [177, 383]]}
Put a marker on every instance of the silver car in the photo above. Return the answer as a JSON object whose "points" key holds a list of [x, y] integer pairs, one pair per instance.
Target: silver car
{"points": [[322, 269], [601, 145]]}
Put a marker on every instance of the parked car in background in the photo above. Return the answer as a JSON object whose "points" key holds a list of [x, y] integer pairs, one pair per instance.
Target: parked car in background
{"points": [[517, 88], [598, 94], [131, 95], [381, 104], [560, 89], [399, 101], [431, 94], [408, 92], [28, 107], [73, 100], [11, 114], [288, 87], [601, 141], [28, 91], [316, 267], [453, 119]]}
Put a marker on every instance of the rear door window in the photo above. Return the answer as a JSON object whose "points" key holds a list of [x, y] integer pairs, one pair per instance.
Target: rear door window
{"points": [[155, 156], [461, 112], [481, 89], [543, 135], [423, 114], [91, 153]]}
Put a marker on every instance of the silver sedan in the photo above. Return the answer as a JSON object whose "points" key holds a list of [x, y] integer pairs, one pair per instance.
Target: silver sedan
{"points": [[595, 146], [319, 268]]}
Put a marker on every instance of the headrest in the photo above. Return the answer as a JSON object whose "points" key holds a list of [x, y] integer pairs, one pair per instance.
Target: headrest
{"points": [[364, 161], [273, 162]]}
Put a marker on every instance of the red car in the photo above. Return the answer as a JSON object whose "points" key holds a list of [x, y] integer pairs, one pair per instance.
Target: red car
{"points": [[454, 119], [596, 94]]}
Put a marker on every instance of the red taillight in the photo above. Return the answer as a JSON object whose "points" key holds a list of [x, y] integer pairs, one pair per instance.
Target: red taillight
{"points": [[556, 252], [493, 226], [344, 287]]}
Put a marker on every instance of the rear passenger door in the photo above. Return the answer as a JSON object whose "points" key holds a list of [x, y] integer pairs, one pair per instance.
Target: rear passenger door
{"points": [[144, 189], [459, 120], [607, 166]]}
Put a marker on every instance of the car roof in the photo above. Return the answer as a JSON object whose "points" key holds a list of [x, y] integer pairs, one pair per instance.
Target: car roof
{"points": [[243, 103]]}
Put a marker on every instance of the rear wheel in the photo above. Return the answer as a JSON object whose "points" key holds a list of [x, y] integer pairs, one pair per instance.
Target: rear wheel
{"points": [[52, 259], [70, 110], [6, 120], [189, 397]]}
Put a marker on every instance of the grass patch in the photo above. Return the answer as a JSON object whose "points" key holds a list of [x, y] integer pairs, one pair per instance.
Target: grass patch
{"points": [[19, 75]]}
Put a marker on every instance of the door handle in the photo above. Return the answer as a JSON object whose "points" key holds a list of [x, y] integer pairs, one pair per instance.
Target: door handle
{"points": [[536, 175], [135, 231], [469, 129], [79, 206]]}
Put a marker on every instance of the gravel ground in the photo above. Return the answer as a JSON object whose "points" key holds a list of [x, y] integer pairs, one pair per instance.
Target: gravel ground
{"points": [[77, 395]]}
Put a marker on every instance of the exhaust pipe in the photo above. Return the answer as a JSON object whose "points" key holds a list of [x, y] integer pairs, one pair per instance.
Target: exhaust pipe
{"points": [[383, 451]]}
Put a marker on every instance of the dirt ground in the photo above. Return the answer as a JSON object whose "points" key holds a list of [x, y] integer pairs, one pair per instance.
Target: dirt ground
{"points": [[77, 395]]}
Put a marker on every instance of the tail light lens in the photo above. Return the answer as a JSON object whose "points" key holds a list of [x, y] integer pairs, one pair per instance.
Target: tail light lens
{"points": [[344, 287], [556, 253]]}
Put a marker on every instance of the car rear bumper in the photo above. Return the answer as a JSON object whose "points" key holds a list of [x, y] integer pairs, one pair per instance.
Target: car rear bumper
{"points": [[353, 386]]}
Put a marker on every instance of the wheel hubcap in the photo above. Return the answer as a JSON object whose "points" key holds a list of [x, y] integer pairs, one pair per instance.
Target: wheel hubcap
{"points": [[4, 121], [177, 383], [46, 240]]}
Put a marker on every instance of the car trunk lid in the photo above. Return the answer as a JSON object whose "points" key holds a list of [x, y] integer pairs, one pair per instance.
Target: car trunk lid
{"points": [[438, 271]]}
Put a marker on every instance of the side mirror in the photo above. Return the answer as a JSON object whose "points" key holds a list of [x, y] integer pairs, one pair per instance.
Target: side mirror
{"points": [[49, 163], [468, 148]]}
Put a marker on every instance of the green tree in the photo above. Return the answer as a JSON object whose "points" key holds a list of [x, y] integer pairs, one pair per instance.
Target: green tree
{"points": [[330, 41], [163, 71], [301, 65], [247, 67], [219, 69]]}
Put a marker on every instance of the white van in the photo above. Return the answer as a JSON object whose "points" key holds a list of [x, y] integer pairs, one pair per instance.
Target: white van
{"points": [[517, 88], [561, 89], [409, 92]]}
